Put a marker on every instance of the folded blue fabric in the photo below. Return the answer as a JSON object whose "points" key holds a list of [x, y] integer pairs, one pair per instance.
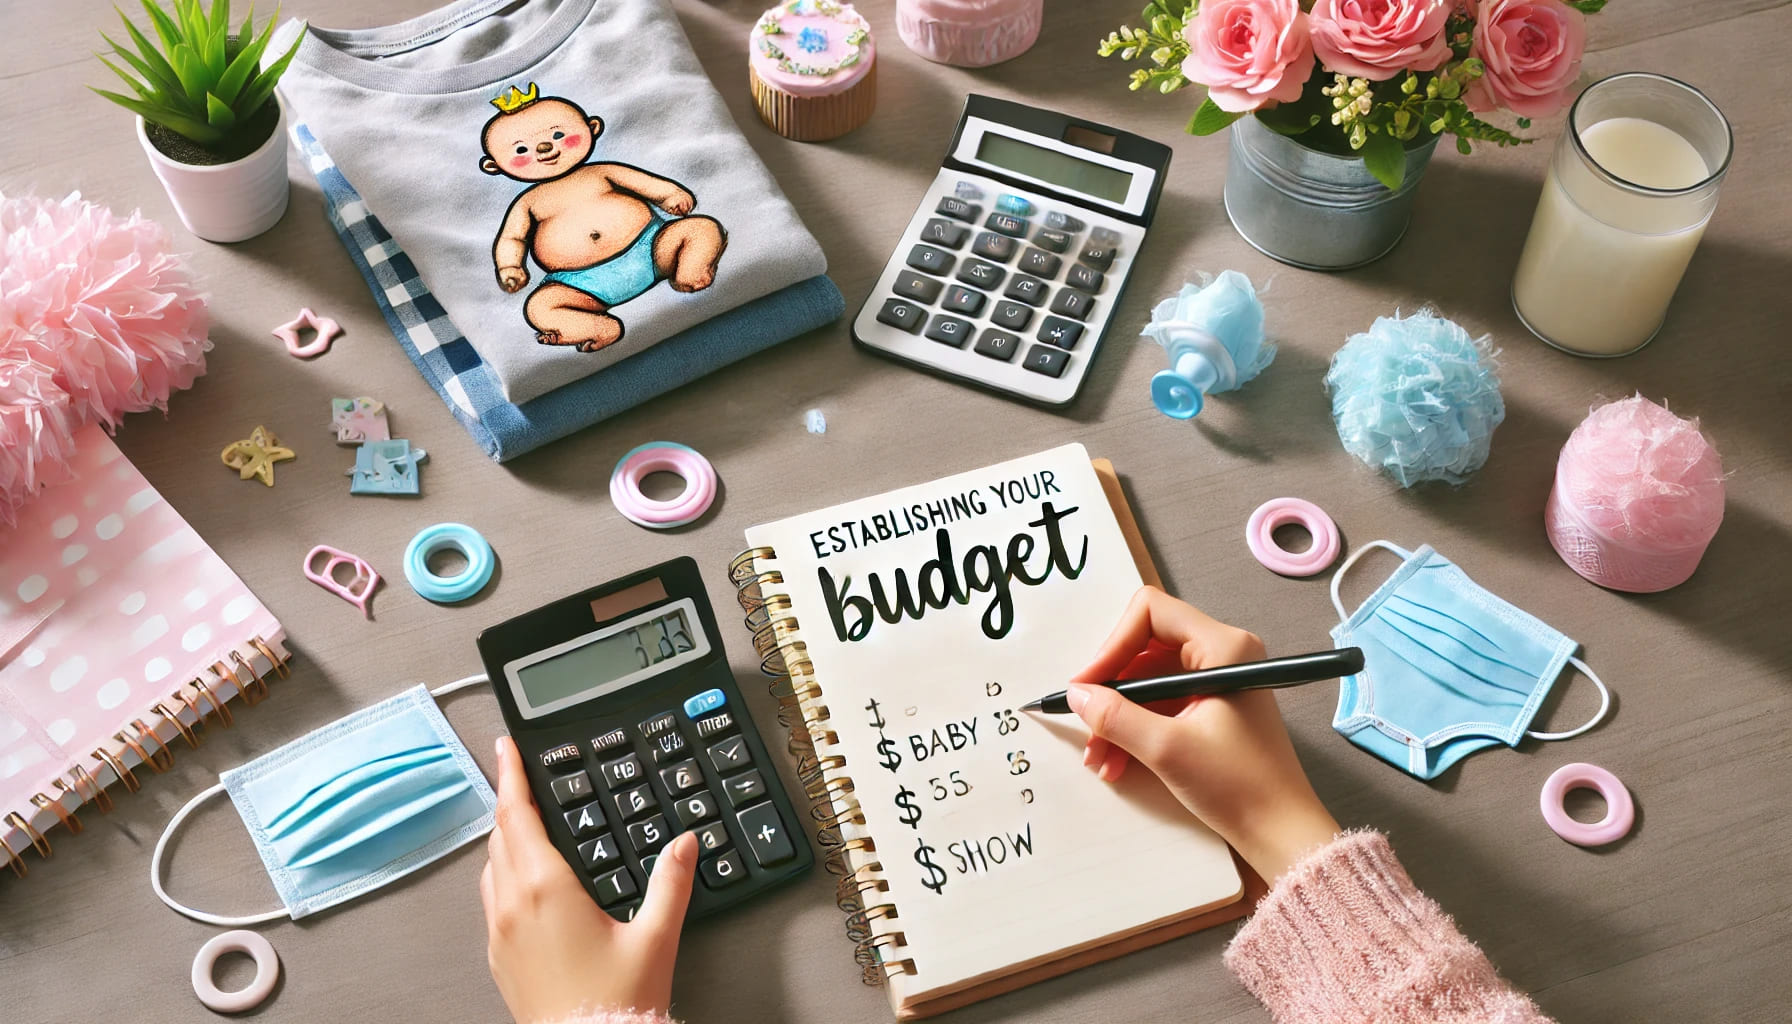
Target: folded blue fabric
{"points": [[453, 367]]}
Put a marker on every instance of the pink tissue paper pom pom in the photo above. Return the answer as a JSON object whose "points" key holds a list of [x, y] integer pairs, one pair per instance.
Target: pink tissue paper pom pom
{"points": [[97, 319], [1639, 493]]}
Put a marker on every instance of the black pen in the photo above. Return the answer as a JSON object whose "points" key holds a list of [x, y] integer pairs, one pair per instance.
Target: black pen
{"points": [[1271, 674]]}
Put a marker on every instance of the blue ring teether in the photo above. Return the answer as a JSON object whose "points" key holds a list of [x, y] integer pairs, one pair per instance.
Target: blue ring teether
{"points": [[441, 537]]}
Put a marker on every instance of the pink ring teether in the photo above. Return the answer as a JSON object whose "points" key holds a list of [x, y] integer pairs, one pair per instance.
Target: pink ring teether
{"points": [[267, 971], [1259, 535], [700, 485], [1620, 810]]}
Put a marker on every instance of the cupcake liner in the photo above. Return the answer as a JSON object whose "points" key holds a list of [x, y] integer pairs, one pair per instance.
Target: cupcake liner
{"points": [[815, 118]]}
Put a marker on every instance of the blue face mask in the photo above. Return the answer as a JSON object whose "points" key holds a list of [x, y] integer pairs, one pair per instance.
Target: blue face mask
{"points": [[1449, 669], [343, 810]]}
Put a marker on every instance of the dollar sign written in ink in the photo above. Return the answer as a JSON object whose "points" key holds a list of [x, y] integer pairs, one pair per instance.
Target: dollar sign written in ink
{"points": [[911, 812], [936, 876], [877, 717], [887, 755]]}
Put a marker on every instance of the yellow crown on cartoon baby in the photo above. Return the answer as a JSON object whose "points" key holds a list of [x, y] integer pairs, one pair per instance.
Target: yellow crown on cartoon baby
{"points": [[515, 99]]}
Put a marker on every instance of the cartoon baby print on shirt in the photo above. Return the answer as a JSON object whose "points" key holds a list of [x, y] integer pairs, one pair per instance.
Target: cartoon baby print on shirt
{"points": [[593, 227]]}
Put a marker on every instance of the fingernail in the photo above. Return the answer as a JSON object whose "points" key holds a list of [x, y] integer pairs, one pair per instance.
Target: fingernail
{"points": [[1076, 695], [1088, 757], [498, 746]]}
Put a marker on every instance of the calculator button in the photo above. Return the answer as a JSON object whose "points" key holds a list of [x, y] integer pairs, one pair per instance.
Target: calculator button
{"points": [[632, 802], [904, 316], [944, 232], [669, 746], [681, 777], [1038, 261], [744, 788], [571, 789], [1015, 205], [990, 245], [715, 725], [1062, 222], [1105, 236], [609, 741], [723, 871], [703, 703], [622, 772], [1012, 315], [1073, 303], [615, 887], [1053, 241], [960, 299], [981, 274], [647, 864], [665, 721], [690, 810], [625, 912], [1011, 226], [915, 286], [997, 345], [598, 852], [950, 330], [931, 260], [1029, 290], [1047, 360], [559, 755], [1087, 278], [1096, 255], [648, 835], [711, 837], [730, 754], [765, 834], [585, 821], [958, 209], [1060, 332], [967, 190]]}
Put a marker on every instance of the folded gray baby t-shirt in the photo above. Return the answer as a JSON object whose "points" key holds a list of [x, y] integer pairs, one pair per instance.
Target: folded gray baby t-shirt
{"points": [[562, 173]]}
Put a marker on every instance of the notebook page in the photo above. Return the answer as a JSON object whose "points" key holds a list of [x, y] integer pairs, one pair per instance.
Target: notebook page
{"points": [[109, 601], [999, 847]]}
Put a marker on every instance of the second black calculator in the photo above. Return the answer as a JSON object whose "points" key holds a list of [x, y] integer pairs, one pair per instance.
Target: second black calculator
{"points": [[632, 730]]}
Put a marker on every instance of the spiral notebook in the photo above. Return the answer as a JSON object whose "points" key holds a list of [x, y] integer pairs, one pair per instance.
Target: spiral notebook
{"points": [[975, 851], [121, 634]]}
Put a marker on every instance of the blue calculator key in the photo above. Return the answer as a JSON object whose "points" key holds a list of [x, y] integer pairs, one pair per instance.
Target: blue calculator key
{"points": [[585, 821], [1015, 205], [1063, 222], [1014, 227], [572, 789], [723, 871], [703, 703]]}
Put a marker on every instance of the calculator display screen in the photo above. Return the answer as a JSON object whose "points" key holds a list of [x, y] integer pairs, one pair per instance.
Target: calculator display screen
{"points": [[1055, 166], [607, 662]]}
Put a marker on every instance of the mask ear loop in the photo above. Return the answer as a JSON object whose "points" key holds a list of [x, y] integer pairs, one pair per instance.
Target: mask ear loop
{"points": [[1605, 704], [1338, 577], [155, 873]]}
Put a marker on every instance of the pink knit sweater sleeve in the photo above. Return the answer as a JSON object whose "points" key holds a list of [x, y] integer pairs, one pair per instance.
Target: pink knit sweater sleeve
{"points": [[1345, 937]]}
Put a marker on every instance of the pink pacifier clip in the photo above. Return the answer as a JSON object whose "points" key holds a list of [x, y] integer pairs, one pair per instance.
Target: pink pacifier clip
{"points": [[700, 485], [1259, 535], [1620, 809], [326, 578]]}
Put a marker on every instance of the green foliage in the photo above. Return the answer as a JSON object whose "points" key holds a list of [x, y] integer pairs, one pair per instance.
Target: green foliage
{"points": [[1587, 6], [201, 81], [1160, 42], [1210, 119], [1384, 157]]}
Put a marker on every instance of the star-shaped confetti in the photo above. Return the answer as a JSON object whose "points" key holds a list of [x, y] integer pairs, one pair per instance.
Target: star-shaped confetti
{"points": [[256, 456], [327, 330]]}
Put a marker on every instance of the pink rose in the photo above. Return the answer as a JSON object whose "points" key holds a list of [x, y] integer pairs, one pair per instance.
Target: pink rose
{"points": [[1378, 39], [1532, 50], [1249, 53]]}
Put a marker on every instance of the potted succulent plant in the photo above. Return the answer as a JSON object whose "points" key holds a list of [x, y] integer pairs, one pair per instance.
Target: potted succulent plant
{"points": [[207, 117], [1335, 106]]}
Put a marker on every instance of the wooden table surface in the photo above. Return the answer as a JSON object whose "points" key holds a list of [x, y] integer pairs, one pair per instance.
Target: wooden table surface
{"points": [[1689, 919]]}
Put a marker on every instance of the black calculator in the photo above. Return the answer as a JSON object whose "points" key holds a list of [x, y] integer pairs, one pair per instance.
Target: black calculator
{"points": [[1010, 270], [632, 730]]}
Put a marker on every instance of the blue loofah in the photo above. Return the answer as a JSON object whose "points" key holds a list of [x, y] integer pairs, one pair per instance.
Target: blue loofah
{"points": [[1214, 336], [1417, 398]]}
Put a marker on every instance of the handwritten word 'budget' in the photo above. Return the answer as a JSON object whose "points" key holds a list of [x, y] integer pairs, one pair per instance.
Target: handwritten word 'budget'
{"points": [[943, 580]]}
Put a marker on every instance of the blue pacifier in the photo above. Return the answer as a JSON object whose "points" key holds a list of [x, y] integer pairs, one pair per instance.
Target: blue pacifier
{"points": [[445, 537], [1214, 336]]}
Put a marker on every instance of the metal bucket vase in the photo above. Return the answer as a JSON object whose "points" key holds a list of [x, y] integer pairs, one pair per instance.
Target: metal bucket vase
{"points": [[1313, 209]]}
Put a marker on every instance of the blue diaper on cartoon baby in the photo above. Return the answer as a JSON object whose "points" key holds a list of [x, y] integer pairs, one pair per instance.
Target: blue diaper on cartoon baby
{"points": [[621, 277]]}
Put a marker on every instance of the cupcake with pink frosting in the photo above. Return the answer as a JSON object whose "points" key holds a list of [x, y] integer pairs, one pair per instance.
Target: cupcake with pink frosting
{"points": [[969, 33], [813, 69]]}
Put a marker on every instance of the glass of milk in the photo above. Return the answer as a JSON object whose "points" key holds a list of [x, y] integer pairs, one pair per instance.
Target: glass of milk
{"points": [[1631, 186]]}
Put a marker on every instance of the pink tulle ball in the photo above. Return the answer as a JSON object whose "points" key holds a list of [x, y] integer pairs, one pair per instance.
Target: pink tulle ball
{"points": [[1639, 494], [97, 319]]}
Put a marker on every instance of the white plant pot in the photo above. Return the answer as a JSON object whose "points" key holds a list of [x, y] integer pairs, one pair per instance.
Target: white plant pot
{"points": [[226, 202]]}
